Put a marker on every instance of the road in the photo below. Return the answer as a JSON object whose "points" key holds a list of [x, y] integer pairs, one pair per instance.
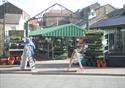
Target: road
{"points": [[60, 81]]}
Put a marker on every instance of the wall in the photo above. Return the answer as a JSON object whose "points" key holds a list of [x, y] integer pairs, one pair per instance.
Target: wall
{"points": [[13, 22]]}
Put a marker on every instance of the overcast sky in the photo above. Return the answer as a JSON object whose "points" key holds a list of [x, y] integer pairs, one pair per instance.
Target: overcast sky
{"points": [[33, 7]]}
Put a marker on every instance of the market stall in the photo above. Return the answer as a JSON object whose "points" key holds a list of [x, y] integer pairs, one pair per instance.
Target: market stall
{"points": [[64, 32]]}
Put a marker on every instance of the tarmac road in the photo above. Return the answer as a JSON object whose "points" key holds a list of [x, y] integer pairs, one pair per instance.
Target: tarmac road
{"points": [[60, 81]]}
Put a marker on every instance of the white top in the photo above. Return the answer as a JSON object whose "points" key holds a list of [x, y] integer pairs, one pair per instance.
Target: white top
{"points": [[77, 54]]}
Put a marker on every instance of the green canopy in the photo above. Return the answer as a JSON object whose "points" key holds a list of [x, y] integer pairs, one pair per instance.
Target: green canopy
{"points": [[68, 30]]}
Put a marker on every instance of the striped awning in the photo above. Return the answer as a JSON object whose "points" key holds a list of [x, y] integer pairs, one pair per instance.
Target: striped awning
{"points": [[68, 30]]}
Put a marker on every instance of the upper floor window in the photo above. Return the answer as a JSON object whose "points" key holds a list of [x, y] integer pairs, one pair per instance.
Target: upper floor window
{"points": [[92, 14]]}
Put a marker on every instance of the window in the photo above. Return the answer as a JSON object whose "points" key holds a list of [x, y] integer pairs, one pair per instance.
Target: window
{"points": [[92, 14], [116, 40], [111, 41], [123, 39]]}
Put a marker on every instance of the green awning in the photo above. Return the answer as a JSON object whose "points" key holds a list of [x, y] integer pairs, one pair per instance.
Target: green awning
{"points": [[68, 30]]}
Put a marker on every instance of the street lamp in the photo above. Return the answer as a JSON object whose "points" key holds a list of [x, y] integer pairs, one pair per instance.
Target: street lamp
{"points": [[4, 26], [4, 32]]}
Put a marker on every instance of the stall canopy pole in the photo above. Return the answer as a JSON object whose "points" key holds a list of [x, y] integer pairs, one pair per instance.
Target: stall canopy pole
{"points": [[48, 50], [53, 50]]}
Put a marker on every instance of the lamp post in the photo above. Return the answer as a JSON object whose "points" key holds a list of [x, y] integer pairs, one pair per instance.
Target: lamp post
{"points": [[4, 38]]}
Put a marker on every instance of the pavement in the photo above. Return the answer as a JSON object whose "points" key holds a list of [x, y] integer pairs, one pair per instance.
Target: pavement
{"points": [[59, 67]]}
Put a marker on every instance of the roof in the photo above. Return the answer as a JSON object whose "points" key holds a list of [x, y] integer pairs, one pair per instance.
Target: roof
{"points": [[83, 12], [92, 6], [81, 23], [51, 8], [9, 8], [105, 6], [68, 30], [112, 22], [117, 12], [12, 13]]}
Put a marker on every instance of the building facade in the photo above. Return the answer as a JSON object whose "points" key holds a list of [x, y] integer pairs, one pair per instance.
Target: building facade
{"points": [[53, 16], [11, 18], [94, 13], [115, 26]]}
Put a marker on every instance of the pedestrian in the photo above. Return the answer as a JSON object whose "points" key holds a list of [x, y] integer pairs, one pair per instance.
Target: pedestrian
{"points": [[29, 52], [78, 54]]}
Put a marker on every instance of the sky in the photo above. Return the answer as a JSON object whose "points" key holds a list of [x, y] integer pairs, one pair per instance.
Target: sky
{"points": [[33, 7]]}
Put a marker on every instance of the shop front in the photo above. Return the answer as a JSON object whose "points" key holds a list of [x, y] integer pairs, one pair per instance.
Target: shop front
{"points": [[116, 40], [115, 48]]}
